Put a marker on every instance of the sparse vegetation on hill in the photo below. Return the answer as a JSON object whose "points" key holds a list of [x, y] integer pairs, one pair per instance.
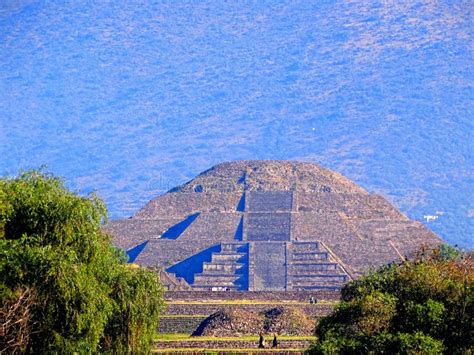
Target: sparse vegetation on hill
{"points": [[421, 306], [63, 287]]}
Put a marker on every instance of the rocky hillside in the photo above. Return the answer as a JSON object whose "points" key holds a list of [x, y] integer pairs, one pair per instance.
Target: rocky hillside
{"points": [[131, 101]]}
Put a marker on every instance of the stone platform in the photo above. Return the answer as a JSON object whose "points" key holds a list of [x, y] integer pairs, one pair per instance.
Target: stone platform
{"points": [[186, 310]]}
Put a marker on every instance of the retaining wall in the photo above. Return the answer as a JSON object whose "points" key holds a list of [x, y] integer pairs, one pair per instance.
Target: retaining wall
{"points": [[316, 310], [179, 324], [230, 344], [267, 296]]}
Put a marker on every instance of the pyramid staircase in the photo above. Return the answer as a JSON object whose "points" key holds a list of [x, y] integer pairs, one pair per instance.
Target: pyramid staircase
{"points": [[227, 270], [310, 267]]}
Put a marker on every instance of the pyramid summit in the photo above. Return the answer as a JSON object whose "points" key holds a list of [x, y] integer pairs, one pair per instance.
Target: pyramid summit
{"points": [[269, 175], [269, 225]]}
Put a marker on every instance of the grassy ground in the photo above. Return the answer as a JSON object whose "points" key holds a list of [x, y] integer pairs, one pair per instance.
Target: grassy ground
{"points": [[180, 337]]}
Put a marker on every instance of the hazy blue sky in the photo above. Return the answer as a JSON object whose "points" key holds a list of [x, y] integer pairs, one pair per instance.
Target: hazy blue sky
{"points": [[132, 98]]}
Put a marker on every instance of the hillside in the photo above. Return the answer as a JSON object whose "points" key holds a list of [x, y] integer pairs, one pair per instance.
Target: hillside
{"points": [[132, 101]]}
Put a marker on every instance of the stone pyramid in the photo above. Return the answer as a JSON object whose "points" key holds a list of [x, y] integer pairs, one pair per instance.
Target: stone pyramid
{"points": [[269, 225]]}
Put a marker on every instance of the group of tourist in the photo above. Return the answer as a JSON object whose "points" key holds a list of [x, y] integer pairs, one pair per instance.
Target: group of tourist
{"points": [[261, 341]]}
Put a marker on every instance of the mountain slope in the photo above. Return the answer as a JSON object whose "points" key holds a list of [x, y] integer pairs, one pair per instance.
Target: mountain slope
{"points": [[132, 101]]}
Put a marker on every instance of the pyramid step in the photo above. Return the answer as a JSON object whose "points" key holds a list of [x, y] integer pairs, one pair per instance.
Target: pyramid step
{"points": [[217, 279], [227, 257], [314, 267], [231, 253], [310, 256], [222, 267], [231, 247], [220, 273], [317, 287], [216, 288], [301, 247], [309, 275], [228, 272], [315, 280], [226, 262], [304, 273], [319, 278], [317, 263], [319, 284]]}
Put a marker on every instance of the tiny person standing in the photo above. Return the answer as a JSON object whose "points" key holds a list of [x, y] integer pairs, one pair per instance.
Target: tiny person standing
{"points": [[261, 341], [275, 341]]}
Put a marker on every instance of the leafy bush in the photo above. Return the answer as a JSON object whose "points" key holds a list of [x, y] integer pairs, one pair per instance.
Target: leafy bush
{"points": [[421, 306], [63, 287]]}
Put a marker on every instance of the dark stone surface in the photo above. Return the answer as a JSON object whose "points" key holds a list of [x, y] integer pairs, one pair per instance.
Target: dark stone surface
{"points": [[269, 201], [267, 227], [268, 270]]}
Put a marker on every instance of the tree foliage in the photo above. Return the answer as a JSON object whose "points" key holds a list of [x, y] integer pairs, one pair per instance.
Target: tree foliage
{"points": [[421, 306], [62, 285]]}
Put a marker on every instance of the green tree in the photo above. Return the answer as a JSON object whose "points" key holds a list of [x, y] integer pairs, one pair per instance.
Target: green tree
{"points": [[62, 285], [421, 306]]}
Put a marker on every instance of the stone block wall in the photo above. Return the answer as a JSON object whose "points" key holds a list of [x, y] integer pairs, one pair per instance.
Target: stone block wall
{"points": [[267, 227], [286, 346], [318, 201], [228, 268], [330, 229], [419, 235], [314, 226], [180, 324], [131, 232], [352, 205], [208, 308], [269, 201], [309, 267], [183, 204], [164, 253], [266, 296], [267, 266], [218, 227], [368, 207]]}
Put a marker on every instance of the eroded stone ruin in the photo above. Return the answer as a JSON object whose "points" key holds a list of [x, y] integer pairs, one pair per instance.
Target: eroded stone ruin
{"points": [[269, 225]]}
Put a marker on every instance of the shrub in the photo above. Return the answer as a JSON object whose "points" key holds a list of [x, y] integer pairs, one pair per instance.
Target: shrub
{"points": [[60, 275], [421, 306]]}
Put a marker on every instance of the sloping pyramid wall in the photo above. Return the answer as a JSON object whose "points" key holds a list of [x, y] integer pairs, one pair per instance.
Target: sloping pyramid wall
{"points": [[348, 229]]}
